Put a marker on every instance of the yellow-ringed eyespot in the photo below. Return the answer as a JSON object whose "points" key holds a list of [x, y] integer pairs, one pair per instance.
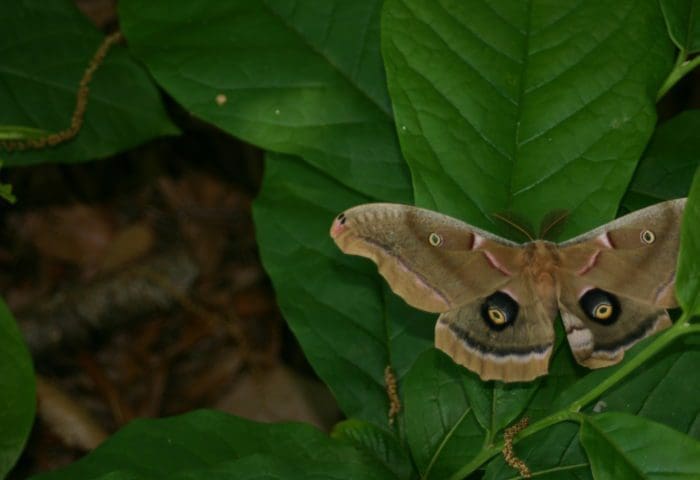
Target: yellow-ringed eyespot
{"points": [[603, 311], [496, 315], [435, 239], [647, 236], [600, 306], [499, 311]]}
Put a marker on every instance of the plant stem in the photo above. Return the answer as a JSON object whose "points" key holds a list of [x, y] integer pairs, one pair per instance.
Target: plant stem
{"points": [[680, 69], [491, 450], [681, 328]]}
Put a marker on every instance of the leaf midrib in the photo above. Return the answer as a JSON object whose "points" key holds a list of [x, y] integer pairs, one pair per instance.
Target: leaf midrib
{"points": [[604, 435], [444, 441], [387, 113], [519, 102]]}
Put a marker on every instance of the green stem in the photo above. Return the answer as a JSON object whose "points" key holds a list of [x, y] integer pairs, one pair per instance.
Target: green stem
{"points": [[680, 69], [491, 450], [682, 327], [475, 462], [571, 413]]}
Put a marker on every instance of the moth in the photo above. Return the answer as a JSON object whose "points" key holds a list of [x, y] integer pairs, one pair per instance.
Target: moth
{"points": [[498, 300]]}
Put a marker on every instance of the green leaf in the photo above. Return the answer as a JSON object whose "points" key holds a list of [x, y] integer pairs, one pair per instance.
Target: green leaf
{"points": [[515, 105], [18, 132], [497, 404], [18, 398], [660, 390], [441, 428], [688, 276], [669, 162], [301, 78], [622, 446], [210, 444], [591, 378], [45, 50], [349, 324], [263, 467], [6, 191], [683, 22], [376, 442], [563, 373]]}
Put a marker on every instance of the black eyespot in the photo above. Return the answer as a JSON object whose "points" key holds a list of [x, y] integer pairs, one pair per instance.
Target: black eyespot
{"points": [[341, 218], [600, 306], [499, 311]]}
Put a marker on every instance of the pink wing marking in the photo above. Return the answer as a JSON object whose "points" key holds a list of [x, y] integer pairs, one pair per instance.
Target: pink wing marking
{"points": [[590, 264]]}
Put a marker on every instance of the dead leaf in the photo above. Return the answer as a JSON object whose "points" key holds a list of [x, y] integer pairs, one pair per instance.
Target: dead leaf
{"points": [[78, 234], [130, 243], [74, 425], [280, 394]]}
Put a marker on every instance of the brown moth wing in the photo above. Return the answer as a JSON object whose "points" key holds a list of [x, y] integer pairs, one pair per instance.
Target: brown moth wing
{"points": [[518, 352], [634, 256], [597, 344], [434, 262]]}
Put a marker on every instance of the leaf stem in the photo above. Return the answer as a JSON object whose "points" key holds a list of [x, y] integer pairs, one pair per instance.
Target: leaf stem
{"points": [[680, 69], [493, 449], [681, 328]]}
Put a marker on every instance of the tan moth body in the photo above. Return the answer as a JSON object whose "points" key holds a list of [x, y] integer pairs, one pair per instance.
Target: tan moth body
{"points": [[498, 300]]}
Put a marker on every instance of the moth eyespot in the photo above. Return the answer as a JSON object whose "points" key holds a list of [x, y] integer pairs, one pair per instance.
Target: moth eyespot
{"points": [[435, 239], [496, 315], [600, 306], [647, 236], [603, 311], [499, 311]]}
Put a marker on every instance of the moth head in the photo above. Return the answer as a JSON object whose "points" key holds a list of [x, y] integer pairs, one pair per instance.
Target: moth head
{"points": [[600, 306], [338, 225], [499, 311]]}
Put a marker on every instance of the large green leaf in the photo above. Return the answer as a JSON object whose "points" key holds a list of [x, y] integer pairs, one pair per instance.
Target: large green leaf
{"points": [[683, 21], [209, 444], [621, 446], [377, 442], [45, 49], [563, 373], [349, 324], [521, 105], [666, 170], [688, 276], [497, 404], [301, 77], [18, 397], [660, 390], [441, 428]]}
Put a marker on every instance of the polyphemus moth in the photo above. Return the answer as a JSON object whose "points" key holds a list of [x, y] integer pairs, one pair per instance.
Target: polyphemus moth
{"points": [[498, 300]]}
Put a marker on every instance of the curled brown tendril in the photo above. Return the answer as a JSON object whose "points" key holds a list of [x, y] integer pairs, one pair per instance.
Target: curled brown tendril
{"points": [[81, 102], [508, 452], [392, 393]]}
